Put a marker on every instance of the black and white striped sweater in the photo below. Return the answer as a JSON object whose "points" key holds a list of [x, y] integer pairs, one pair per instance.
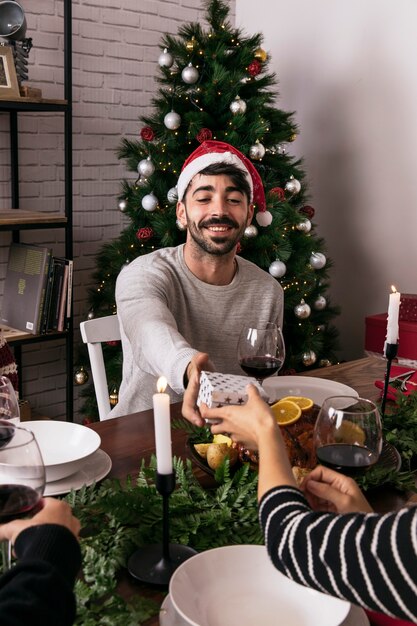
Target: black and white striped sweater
{"points": [[368, 559]]}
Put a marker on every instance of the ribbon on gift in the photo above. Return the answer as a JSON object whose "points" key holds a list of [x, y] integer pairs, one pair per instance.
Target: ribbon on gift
{"points": [[379, 619], [403, 380]]}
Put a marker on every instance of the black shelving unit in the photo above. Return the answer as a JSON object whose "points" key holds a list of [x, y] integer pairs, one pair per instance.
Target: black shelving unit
{"points": [[16, 219]]}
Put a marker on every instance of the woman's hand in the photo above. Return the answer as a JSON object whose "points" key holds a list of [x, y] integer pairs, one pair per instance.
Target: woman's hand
{"points": [[327, 490], [200, 361]]}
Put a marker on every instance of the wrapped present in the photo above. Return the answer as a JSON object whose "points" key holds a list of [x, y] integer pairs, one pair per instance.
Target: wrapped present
{"points": [[408, 307], [217, 389], [376, 330]]}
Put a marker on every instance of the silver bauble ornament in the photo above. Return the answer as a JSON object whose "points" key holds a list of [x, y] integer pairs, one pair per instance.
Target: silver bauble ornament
{"points": [[281, 148], [122, 205], [320, 303], [90, 314], [264, 218], [293, 186], [172, 195], [309, 358], [238, 106], [146, 168], [317, 260], [302, 310], [304, 226], [325, 363], [172, 120], [165, 59], [149, 202], [257, 151], [190, 74], [180, 225], [277, 269], [81, 376], [250, 231]]}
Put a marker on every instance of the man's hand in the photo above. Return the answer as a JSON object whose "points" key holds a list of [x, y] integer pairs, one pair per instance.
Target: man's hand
{"points": [[199, 362], [327, 490]]}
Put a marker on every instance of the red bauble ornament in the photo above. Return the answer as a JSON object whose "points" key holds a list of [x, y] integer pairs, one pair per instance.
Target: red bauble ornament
{"points": [[204, 134], [255, 68], [147, 133], [278, 192], [308, 211], [145, 233], [112, 343]]}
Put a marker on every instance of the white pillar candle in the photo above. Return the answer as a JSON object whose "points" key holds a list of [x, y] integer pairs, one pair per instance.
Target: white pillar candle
{"points": [[162, 423], [393, 312]]}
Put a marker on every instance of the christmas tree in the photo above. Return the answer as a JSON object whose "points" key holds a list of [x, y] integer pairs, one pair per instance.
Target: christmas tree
{"points": [[215, 84]]}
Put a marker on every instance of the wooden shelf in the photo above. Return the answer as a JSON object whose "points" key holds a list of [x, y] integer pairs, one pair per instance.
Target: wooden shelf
{"points": [[16, 336], [18, 218]]}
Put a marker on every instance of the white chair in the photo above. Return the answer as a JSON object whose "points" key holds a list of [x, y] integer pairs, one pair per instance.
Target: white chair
{"points": [[93, 333]]}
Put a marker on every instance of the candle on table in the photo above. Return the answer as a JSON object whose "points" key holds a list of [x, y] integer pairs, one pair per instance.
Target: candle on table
{"points": [[393, 312], [162, 423]]}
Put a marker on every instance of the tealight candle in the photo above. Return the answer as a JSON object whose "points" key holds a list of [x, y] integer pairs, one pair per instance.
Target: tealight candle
{"points": [[162, 423], [393, 313]]}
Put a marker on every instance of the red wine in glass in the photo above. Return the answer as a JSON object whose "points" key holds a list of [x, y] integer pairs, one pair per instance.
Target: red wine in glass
{"points": [[261, 350], [17, 501], [346, 458], [260, 367]]}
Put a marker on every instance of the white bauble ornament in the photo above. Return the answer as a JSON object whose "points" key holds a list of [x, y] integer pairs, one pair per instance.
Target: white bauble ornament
{"points": [[281, 148], [264, 218], [293, 186], [317, 260], [146, 168], [172, 195], [180, 225], [302, 310], [320, 303], [257, 151], [238, 106], [250, 231], [165, 59], [277, 269], [172, 120], [304, 226], [149, 202], [190, 74], [90, 314], [122, 205], [309, 358]]}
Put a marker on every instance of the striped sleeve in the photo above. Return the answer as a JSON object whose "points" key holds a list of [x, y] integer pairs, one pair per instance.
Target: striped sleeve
{"points": [[367, 559]]}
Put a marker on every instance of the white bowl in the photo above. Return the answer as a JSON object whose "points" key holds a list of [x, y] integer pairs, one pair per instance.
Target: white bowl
{"points": [[65, 446], [239, 585], [318, 389]]}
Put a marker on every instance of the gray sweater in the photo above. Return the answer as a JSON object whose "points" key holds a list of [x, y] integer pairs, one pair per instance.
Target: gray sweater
{"points": [[167, 315]]}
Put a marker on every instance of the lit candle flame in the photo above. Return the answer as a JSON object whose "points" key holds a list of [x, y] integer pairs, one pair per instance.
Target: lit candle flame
{"points": [[161, 384], [393, 289]]}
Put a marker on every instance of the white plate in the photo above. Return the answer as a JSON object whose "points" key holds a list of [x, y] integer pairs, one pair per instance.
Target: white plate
{"points": [[318, 389], [95, 468], [169, 617], [239, 585]]}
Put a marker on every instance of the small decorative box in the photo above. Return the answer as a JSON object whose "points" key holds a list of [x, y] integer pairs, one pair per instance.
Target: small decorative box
{"points": [[408, 307], [217, 389]]}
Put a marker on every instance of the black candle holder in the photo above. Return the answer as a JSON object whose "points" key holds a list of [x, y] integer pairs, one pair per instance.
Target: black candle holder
{"points": [[156, 563], [391, 350]]}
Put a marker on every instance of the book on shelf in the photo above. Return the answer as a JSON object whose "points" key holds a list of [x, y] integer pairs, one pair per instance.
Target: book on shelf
{"points": [[60, 294], [25, 287]]}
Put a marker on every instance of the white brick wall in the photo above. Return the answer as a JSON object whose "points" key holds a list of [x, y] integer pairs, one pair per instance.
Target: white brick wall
{"points": [[115, 52]]}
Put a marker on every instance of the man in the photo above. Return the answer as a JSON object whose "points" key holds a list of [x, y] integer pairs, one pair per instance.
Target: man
{"points": [[181, 309]]}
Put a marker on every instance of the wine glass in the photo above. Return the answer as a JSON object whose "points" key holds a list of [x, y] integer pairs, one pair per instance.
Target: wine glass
{"points": [[348, 434], [22, 477], [9, 404], [261, 350]]}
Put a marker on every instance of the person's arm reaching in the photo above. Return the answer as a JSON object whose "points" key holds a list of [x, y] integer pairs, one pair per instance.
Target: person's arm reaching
{"points": [[198, 363]]}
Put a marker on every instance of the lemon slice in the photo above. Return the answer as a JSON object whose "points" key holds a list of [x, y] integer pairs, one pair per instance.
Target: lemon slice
{"points": [[286, 412], [349, 432], [304, 403], [222, 439]]}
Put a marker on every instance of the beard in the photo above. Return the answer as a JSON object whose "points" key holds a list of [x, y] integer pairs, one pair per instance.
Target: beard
{"points": [[217, 244]]}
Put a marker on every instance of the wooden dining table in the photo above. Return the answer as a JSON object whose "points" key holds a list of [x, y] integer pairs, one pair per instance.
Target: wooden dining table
{"points": [[130, 438]]}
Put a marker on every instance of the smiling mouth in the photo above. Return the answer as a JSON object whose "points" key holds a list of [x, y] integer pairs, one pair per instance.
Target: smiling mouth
{"points": [[218, 229]]}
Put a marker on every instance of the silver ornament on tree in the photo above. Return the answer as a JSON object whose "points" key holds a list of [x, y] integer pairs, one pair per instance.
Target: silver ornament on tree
{"points": [[281, 149], [320, 303], [257, 151], [165, 59], [172, 120], [90, 314], [277, 269], [302, 310], [264, 218], [145, 167], [317, 260], [325, 363], [150, 202], [172, 195], [122, 205], [293, 186], [190, 74], [250, 231], [81, 376], [304, 226], [238, 106], [309, 358]]}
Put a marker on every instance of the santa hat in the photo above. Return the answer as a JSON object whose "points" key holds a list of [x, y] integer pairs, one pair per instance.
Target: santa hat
{"points": [[210, 152]]}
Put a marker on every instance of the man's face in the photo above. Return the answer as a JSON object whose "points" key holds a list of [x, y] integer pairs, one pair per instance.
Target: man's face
{"points": [[216, 213]]}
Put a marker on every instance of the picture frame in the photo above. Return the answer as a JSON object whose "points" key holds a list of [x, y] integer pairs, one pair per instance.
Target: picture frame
{"points": [[9, 86]]}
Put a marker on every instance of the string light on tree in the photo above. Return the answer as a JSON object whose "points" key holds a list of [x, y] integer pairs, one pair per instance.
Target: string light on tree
{"points": [[317, 260], [277, 269]]}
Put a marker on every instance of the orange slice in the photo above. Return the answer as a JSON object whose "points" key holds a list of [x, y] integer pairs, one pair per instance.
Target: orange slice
{"points": [[286, 412], [304, 403]]}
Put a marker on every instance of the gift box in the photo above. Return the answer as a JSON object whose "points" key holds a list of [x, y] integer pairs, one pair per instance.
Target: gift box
{"points": [[217, 389], [408, 307], [376, 330]]}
